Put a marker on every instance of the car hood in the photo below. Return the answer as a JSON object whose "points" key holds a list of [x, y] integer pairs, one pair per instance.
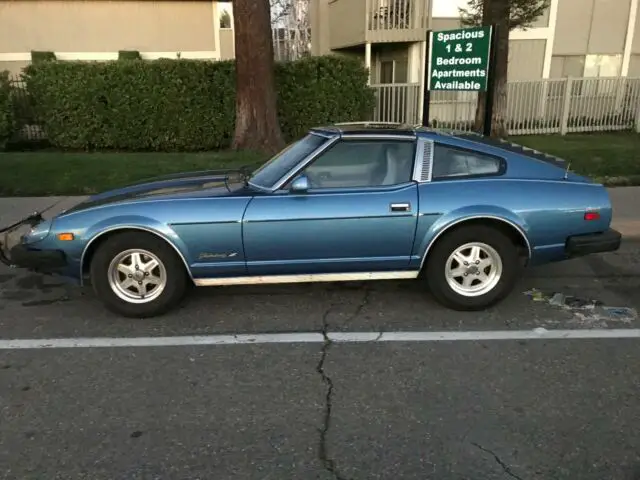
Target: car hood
{"points": [[209, 183]]}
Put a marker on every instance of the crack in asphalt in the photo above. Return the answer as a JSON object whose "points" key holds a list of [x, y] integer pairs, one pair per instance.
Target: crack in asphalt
{"points": [[361, 305], [328, 463], [504, 466], [323, 454]]}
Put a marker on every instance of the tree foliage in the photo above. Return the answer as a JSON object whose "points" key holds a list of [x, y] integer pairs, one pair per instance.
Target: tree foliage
{"points": [[505, 15], [225, 19], [291, 22], [522, 13]]}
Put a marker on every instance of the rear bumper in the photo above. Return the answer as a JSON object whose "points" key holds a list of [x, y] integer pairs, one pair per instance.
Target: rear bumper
{"points": [[580, 245], [43, 261]]}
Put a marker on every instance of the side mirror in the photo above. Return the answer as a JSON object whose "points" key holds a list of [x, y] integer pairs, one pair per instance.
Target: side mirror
{"points": [[299, 185]]}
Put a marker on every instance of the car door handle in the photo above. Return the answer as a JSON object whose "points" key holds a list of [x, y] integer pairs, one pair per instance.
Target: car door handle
{"points": [[400, 207]]}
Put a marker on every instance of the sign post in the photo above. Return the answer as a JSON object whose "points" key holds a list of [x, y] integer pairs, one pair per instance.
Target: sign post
{"points": [[426, 101], [460, 60]]}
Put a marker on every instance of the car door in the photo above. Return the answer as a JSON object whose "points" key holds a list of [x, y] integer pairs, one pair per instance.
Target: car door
{"points": [[359, 214]]}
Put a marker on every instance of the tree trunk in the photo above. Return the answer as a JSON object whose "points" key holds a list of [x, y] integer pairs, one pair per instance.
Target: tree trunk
{"points": [[482, 96], [257, 126], [497, 12]]}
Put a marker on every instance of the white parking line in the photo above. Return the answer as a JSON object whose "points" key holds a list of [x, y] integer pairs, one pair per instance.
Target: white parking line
{"points": [[311, 337]]}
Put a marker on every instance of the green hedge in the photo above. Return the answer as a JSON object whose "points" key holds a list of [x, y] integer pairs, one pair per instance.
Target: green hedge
{"points": [[6, 110], [168, 105]]}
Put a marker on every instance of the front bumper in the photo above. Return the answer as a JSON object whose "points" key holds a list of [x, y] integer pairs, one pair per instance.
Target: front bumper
{"points": [[43, 261], [15, 253], [580, 245]]}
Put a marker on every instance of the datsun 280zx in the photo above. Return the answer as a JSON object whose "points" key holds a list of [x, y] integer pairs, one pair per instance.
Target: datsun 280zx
{"points": [[463, 213]]}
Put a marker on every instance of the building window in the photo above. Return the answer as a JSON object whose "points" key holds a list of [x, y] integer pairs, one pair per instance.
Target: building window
{"points": [[386, 71], [634, 65], [598, 69], [394, 71], [563, 66], [602, 65]]}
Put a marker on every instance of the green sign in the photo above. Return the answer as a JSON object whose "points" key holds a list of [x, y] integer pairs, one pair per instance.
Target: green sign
{"points": [[460, 59]]}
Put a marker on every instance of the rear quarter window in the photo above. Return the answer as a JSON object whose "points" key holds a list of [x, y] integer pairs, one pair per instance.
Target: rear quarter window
{"points": [[456, 163]]}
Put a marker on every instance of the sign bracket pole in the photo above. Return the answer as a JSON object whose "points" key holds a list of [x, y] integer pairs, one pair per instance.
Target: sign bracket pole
{"points": [[491, 82], [426, 98]]}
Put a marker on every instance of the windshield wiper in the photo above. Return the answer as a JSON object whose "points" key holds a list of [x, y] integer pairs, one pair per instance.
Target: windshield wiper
{"points": [[246, 175]]}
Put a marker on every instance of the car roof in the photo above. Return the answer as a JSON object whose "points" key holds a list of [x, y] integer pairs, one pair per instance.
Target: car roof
{"points": [[364, 128], [403, 129]]}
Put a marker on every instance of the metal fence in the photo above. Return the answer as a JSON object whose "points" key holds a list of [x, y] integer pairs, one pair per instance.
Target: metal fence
{"points": [[398, 102], [24, 112], [546, 106]]}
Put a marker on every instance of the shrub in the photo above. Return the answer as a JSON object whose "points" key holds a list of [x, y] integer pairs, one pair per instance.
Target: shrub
{"points": [[183, 104], [321, 90], [129, 55], [158, 105], [6, 110], [37, 57]]}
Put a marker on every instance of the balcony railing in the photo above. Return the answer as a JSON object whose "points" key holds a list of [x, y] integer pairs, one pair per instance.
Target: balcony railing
{"points": [[395, 15], [353, 22]]}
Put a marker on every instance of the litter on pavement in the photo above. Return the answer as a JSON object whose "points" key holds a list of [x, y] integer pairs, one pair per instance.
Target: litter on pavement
{"points": [[587, 310]]}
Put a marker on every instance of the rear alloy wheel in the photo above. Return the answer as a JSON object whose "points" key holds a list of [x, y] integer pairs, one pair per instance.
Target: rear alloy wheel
{"points": [[138, 275], [472, 268]]}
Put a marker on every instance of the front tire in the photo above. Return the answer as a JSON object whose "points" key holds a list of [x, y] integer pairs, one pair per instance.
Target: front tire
{"points": [[472, 268], [138, 275]]}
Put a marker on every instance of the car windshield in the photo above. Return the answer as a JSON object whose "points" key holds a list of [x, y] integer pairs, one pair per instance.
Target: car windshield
{"points": [[272, 171]]}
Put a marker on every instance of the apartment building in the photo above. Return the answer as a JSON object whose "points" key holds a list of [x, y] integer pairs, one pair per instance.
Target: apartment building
{"points": [[574, 38], [581, 38], [98, 29]]}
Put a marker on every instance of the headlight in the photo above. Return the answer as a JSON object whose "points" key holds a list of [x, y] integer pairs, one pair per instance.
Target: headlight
{"points": [[39, 232]]}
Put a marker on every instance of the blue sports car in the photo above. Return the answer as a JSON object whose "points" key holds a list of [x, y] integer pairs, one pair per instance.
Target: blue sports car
{"points": [[462, 212]]}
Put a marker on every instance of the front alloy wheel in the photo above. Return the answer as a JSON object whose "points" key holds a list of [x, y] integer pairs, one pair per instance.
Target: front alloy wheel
{"points": [[137, 274]]}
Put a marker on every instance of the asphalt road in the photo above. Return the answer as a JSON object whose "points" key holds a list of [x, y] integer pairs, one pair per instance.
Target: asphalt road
{"points": [[507, 409]]}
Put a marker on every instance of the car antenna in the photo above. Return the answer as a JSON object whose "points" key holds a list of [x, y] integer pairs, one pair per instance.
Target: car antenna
{"points": [[566, 172]]}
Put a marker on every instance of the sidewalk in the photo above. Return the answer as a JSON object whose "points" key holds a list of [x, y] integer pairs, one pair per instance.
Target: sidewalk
{"points": [[625, 200], [626, 210]]}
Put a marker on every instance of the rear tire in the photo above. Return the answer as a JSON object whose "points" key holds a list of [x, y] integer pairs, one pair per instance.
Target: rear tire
{"points": [[472, 268], [138, 275]]}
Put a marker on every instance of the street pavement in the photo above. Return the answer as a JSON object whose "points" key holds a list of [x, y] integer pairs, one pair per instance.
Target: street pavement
{"points": [[516, 408]]}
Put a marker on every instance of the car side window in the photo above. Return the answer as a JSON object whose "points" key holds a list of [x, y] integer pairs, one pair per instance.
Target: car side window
{"points": [[451, 162], [362, 163]]}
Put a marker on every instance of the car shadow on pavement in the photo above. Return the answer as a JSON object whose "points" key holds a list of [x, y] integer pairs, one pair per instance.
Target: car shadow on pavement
{"points": [[51, 306]]}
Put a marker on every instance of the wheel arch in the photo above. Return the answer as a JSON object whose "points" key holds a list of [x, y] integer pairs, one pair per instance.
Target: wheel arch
{"points": [[92, 246], [510, 228]]}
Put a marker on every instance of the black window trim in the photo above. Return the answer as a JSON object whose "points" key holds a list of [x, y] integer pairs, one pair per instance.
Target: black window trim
{"points": [[361, 139], [501, 171]]}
